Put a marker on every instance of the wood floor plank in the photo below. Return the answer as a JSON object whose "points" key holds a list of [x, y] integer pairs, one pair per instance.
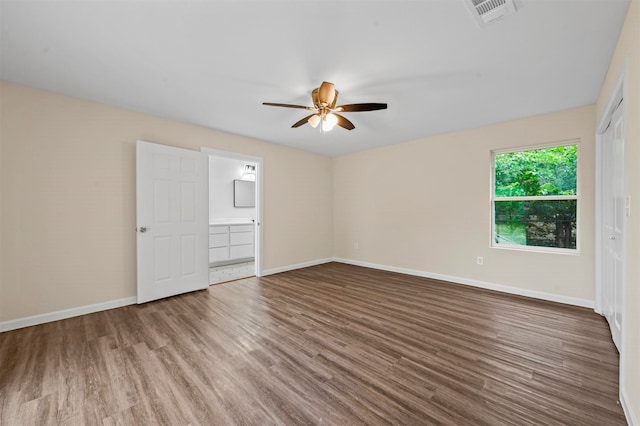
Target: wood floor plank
{"points": [[332, 344]]}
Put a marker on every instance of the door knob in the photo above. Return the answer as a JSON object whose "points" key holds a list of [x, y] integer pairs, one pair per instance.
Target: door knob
{"points": [[611, 237], [143, 229]]}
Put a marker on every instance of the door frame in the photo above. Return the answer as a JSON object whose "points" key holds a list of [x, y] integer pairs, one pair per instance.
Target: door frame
{"points": [[259, 196], [618, 93]]}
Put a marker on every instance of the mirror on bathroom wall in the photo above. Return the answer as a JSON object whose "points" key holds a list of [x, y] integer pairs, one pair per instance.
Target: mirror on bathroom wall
{"points": [[244, 193]]}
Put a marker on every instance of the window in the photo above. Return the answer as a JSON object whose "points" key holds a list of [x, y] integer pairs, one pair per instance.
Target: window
{"points": [[535, 198]]}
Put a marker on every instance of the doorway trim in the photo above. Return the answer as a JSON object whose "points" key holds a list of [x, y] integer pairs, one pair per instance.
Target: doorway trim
{"points": [[259, 195]]}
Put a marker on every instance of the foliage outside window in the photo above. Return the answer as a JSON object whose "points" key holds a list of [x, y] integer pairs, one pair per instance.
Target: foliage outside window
{"points": [[535, 198]]}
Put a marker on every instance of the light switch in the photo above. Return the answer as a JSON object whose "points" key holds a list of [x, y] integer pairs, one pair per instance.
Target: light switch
{"points": [[628, 205]]}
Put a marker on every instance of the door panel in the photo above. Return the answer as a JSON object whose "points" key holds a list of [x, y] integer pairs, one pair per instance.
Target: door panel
{"points": [[614, 203], [172, 209]]}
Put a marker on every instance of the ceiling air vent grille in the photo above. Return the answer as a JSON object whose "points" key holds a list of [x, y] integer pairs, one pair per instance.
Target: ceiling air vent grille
{"points": [[486, 11]]}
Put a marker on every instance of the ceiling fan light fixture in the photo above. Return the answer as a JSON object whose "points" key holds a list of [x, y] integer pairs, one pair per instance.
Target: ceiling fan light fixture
{"points": [[314, 120], [329, 122]]}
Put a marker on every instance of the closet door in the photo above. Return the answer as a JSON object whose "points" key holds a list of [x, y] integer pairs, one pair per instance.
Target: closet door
{"points": [[614, 211]]}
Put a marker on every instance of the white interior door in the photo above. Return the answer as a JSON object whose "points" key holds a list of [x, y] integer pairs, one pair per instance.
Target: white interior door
{"points": [[172, 220], [614, 210]]}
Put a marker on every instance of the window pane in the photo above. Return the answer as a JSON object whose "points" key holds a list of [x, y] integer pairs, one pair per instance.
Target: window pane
{"points": [[547, 171], [536, 223]]}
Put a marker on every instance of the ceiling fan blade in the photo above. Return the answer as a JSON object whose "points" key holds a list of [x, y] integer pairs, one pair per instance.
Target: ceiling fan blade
{"points": [[288, 106], [344, 123], [360, 107], [303, 121], [326, 93]]}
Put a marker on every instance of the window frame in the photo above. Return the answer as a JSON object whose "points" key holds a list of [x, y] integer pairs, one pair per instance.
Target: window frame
{"points": [[493, 199]]}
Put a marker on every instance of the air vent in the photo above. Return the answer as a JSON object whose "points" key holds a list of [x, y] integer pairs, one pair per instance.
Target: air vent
{"points": [[486, 11]]}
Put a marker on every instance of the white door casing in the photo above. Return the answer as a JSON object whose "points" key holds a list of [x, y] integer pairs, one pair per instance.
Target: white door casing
{"points": [[171, 220], [614, 207]]}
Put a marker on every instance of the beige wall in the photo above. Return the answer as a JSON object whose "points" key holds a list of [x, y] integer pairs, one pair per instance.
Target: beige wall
{"points": [[68, 198], [628, 52], [424, 205]]}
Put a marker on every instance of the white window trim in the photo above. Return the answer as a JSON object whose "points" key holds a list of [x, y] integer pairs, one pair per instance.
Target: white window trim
{"points": [[576, 197], [537, 198]]}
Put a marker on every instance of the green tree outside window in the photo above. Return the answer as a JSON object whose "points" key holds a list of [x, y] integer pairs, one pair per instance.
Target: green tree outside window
{"points": [[535, 197]]}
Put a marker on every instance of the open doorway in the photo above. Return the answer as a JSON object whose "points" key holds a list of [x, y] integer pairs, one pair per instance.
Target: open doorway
{"points": [[235, 182]]}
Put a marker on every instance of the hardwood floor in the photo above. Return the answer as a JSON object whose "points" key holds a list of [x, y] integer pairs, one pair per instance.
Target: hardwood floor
{"points": [[331, 344]]}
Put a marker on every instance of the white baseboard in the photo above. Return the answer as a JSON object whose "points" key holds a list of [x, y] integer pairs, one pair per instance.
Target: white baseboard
{"points": [[475, 283], [632, 420], [296, 266], [88, 309], [66, 313]]}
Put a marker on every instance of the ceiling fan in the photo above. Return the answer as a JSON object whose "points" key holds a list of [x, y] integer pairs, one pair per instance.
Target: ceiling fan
{"points": [[325, 110]]}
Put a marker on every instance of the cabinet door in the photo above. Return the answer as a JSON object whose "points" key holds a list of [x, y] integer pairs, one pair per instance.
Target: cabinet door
{"points": [[240, 238], [239, 252], [218, 229], [218, 240], [218, 253], [241, 228]]}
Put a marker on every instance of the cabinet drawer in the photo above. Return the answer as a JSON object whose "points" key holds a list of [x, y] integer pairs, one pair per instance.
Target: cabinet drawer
{"points": [[239, 238], [219, 253], [218, 229], [237, 252], [218, 240], [241, 228]]}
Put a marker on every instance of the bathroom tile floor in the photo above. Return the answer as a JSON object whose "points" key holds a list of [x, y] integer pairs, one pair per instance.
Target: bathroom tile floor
{"points": [[220, 274]]}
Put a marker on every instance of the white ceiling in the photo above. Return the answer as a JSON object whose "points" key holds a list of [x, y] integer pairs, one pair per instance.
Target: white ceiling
{"points": [[213, 63]]}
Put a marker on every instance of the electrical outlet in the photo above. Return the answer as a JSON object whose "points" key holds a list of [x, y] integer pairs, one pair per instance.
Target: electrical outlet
{"points": [[480, 260]]}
